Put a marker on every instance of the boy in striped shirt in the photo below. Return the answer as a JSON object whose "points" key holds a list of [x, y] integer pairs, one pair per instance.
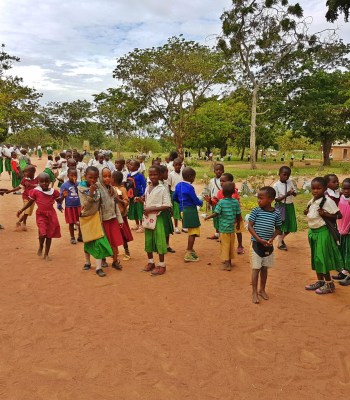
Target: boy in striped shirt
{"points": [[264, 225]]}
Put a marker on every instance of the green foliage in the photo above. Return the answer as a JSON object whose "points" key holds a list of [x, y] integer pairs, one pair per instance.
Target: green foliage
{"points": [[336, 7], [142, 145], [32, 137]]}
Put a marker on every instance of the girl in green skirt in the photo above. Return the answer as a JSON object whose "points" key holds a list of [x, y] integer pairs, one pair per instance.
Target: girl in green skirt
{"points": [[157, 204], [90, 199], [325, 255], [16, 172], [285, 193], [168, 223]]}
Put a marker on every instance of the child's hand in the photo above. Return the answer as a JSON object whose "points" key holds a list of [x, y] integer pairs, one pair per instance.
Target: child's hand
{"points": [[65, 193], [146, 211], [270, 242], [19, 212], [207, 198], [92, 189], [322, 212], [264, 242]]}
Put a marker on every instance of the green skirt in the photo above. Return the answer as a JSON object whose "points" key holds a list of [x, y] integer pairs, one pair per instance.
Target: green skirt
{"points": [[8, 165], [190, 217], [167, 221], [176, 207], [49, 172], [155, 240], [325, 254], [290, 222], [1, 165], [345, 250], [99, 248], [135, 211], [16, 180], [40, 153]]}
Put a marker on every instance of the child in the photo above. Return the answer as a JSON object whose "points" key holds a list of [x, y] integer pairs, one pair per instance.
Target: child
{"points": [[188, 201], [90, 200], [16, 172], [28, 183], [108, 163], [122, 200], [120, 166], [325, 255], [72, 204], [46, 217], [264, 225], [332, 188], [136, 186], [285, 193], [228, 213], [142, 168], [81, 165], [214, 187], [63, 176], [156, 202], [344, 230], [50, 166], [168, 223], [174, 178], [227, 177], [111, 217]]}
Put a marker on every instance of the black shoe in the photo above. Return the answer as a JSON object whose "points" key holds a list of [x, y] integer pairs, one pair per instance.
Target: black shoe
{"points": [[117, 266], [345, 281], [86, 267], [170, 250], [339, 277], [100, 273], [80, 239]]}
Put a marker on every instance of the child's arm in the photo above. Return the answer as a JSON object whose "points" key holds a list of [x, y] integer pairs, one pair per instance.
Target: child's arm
{"points": [[238, 221], [13, 190], [255, 236], [214, 215], [196, 201], [29, 204], [326, 214]]}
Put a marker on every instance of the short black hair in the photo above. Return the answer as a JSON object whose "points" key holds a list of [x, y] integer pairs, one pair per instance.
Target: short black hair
{"points": [[284, 168], [173, 155], [219, 165], [228, 189], [187, 172], [328, 177], [320, 180], [162, 168], [137, 164], [177, 161], [270, 191], [346, 180], [71, 169], [117, 177], [228, 176], [92, 169], [155, 167]]}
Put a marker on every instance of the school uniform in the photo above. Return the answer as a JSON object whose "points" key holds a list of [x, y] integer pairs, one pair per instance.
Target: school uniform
{"points": [[286, 207], [72, 203], [220, 196], [48, 170], [333, 194], [28, 185], [7, 153], [123, 208], [214, 187], [136, 209], [173, 179], [16, 173], [168, 222], [325, 255]]}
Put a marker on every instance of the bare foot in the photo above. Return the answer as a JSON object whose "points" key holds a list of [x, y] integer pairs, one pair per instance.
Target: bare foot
{"points": [[255, 298], [18, 226], [40, 252], [47, 258], [24, 228], [263, 294]]}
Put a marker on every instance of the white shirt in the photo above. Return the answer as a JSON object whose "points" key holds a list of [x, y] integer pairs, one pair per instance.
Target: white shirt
{"points": [[142, 167], [81, 167], [110, 166], [282, 189], [63, 164], [7, 151], [93, 163], [49, 164], [333, 193], [214, 186], [314, 219], [158, 197], [173, 179]]}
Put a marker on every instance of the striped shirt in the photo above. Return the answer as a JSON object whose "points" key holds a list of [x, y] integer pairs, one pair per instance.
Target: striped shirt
{"points": [[265, 222], [228, 209]]}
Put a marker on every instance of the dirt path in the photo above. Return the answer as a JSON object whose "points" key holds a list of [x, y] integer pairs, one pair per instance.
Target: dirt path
{"points": [[191, 334]]}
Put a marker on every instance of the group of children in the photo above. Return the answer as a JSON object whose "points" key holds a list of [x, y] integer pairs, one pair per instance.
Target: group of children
{"points": [[99, 198]]}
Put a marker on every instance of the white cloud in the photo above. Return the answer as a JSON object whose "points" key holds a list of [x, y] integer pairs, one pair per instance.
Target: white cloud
{"points": [[68, 47]]}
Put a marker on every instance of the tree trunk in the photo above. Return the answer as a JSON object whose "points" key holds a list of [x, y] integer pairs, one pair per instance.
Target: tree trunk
{"points": [[326, 147], [257, 153], [253, 129], [223, 150], [243, 151]]}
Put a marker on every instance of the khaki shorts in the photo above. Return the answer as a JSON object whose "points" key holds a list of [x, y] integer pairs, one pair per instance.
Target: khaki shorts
{"points": [[241, 227], [28, 211], [194, 232], [258, 262], [227, 241]]}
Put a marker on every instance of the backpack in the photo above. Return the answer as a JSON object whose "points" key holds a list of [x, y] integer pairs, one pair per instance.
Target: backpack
{"points": [[331, 224], [130, 186]]}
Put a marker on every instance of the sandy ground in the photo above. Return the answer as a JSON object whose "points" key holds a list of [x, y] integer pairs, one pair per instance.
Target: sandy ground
{"points": [[193, 333]]}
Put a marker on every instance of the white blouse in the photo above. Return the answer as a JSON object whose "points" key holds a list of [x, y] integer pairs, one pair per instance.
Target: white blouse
{"points": [[158, 197], [313, 217], [282, 189]]}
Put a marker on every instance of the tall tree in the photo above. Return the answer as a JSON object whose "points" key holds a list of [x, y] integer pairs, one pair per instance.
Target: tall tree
{"points": [[261, 36], [172, 80], [336, 7]]}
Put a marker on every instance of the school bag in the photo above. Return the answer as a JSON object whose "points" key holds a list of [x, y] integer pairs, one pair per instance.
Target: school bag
{"points": [[130, 186], [331, 224]]}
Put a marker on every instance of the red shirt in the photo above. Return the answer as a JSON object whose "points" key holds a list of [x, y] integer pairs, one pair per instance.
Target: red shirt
{"points": [[44, 200], [15, 165], [220, 196], [28, 185]]}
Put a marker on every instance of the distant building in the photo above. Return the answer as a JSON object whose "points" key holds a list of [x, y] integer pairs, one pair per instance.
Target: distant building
{"points": [[340, 151]]}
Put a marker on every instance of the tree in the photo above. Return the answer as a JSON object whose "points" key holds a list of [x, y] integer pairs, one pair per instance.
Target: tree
{"points": [[262, 37], [172, 80], [336, 7]]}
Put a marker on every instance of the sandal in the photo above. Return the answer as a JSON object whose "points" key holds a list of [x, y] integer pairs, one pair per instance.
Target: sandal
{"points": [[283, 246], [158, 271], [126, 257], [214, 237], [117, 265], [328, 287], [240, 250], [315, 286], [149, 267], [73, 241], [170, 250]]}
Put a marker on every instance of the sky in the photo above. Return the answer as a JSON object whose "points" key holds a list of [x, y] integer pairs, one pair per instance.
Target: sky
{"points": [[68, 48]]}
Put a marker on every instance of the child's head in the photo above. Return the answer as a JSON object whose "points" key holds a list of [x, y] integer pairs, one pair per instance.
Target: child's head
{"points": [[127, 162], [72, 175], [189, 174], [81, 157], [91, 175], [173, 155], [76, 157], [266, 196], [332, 181], [228, 189], [346, 187], [23, 151], [219, 170], [167, 159], [134, 165], [154, 174], [163, 172], [71, 163], [100, 158], [96, 153], [69, 154], [63, 154], [44, 181], [155, 162], [50, 158], [119, 164], [284, 173], [106, 176], [57, 158], [226, 177], [106, 157], [13, 154], [318, 187], [177, 164], [29, 171], [117, 178]]}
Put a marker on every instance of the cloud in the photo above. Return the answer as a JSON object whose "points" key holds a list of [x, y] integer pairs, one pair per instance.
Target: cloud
{"points": [[68, 48]]}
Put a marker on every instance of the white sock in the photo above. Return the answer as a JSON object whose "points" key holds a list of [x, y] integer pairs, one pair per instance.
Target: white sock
{"points": [[87, 258], [151, 261], [98, 264], [280, 239], [161, 264], [216, 234]]}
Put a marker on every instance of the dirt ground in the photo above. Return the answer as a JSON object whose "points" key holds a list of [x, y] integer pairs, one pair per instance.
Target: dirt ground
{"points": [[67, 334]]}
